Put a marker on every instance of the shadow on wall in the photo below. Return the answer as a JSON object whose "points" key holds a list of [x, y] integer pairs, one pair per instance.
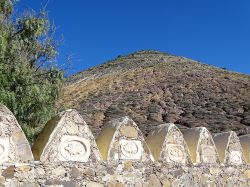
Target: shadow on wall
{"points": [[66, 154]]}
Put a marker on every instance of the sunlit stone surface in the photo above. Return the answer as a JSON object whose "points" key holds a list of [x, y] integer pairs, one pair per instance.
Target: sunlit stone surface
{"points": [[122, 140], [66, 138], [167, 145], [201, 146], [14, 147], [4, 149], [229, 148]]}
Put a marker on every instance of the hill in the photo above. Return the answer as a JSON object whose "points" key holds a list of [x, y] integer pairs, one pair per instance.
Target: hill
{"points": [[154, 88]]}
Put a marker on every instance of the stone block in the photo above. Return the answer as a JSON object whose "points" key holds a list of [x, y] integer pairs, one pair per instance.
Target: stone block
{"points": [[61, 183], [129, 132], [75, 172], [4, 149], [247, 173], [154, 181], [9, 172], [166, 183], [30, 184], [115, 184], [93, 184], [59, 171], [2, 180]]}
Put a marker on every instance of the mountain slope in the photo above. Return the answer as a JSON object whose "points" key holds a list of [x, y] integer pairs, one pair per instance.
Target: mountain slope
{"points": [[154, 88]]}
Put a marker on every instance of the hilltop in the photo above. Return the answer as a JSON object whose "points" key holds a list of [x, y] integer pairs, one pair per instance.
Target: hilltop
{"points": [[154, 88]]}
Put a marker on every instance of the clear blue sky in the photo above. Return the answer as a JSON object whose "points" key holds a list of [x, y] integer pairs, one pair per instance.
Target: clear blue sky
{"points": [[216, 32]]}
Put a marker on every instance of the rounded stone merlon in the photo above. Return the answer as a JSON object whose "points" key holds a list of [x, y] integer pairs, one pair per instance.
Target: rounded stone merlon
{"points": [[167, 144], [14, 146], [245, 143], [66, 137], [201, 145], [228, 147], [121, 139]]}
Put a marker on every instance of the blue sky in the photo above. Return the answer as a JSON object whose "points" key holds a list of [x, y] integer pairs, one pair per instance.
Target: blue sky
{"points": [[216, 32]]}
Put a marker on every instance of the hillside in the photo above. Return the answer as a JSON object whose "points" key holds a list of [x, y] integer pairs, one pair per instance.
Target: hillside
{"points": [[154, 88]]}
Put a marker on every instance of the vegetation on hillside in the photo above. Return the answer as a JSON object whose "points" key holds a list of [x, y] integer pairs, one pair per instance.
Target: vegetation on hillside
{"points": [[29, 75], [154, 88]]}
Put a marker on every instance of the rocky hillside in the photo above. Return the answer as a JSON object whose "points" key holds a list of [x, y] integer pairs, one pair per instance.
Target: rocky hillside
{"points": [[155, 88]]}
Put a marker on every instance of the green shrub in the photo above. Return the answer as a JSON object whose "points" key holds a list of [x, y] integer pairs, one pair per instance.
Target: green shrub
{"points": [[29, 75]]}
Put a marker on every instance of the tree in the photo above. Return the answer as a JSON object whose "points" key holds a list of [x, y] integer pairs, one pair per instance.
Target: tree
{"points": [[30, 78]]}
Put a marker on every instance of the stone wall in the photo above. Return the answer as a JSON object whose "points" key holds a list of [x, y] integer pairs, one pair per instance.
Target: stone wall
{"points": [[67, 154]]}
